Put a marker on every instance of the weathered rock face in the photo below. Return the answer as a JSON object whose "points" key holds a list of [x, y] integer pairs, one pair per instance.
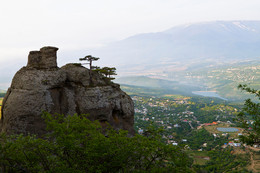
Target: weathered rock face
{"points": [[45, 58], [42, 86]]}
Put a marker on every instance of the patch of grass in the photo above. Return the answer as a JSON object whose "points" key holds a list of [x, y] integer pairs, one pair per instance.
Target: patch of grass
{"points": [[175, 96], [199, 157]]}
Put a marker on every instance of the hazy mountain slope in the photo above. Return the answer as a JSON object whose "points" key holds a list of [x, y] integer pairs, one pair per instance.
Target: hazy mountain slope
{"points": [[220, 40], [183, 47], [167, 86], [146, 82], [224, 79]]}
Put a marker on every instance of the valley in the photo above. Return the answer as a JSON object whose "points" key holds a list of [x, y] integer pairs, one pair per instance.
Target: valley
{"points": [[165, 72], [222, 79], [161, 86], [193, 123], [225, 79]]}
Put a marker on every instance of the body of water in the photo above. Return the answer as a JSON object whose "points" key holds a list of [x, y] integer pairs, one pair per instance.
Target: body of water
{"points": [[227, 129], [208, 94]]}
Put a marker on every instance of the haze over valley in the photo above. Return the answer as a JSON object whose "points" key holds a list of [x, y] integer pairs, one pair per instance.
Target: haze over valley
{"points": [[130, 86], [213, 56]]}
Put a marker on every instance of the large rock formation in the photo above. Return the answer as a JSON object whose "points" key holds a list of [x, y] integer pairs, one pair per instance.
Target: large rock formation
{"points": [[42, 86]]}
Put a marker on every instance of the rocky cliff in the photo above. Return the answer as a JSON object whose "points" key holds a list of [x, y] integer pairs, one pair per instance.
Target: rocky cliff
{"points": [[43, 86]]}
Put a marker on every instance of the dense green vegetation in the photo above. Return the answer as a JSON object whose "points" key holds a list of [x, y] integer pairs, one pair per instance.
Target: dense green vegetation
{"points": [[75, 144], [223, 161], [199, 137], [175, 138], [2, 94], [251, 111], [1, 102], [185, 122]]}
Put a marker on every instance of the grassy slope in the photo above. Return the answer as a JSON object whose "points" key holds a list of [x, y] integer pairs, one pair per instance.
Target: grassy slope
{"points": [[226, 79], [157, 85], [223, 79]]}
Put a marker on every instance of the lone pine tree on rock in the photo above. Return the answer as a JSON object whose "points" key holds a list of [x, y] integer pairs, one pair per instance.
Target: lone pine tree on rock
{"points": [[105, 71], [90, 59]]}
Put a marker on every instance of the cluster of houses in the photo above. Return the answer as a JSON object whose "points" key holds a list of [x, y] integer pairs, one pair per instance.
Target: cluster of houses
{"points": [[186, 116]]}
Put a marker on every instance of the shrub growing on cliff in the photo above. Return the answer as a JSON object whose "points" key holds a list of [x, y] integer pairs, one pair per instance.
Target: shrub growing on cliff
{"points": [[251, 109], [76, 144], [108, 72]]}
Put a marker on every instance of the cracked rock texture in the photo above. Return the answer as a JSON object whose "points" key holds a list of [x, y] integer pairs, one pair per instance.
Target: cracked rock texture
{"points": [[42, 86]]}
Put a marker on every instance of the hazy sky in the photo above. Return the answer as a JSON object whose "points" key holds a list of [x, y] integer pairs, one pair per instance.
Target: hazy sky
{"points": [[79, 24]]}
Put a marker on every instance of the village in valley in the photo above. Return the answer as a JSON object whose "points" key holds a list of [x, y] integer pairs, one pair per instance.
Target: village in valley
{"points": [[204, 127], [181, 116]]}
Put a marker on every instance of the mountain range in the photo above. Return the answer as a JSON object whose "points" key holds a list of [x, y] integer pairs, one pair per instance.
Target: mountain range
{"points": [[181, 48], [184, 47], [161, 84]]}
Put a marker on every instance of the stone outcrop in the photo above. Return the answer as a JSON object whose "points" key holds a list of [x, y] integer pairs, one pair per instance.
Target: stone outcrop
{"points": [[45, 58], [42, 86]]}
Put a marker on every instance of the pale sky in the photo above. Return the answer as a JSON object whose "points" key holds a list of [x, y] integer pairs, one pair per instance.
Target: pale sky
{"points": [[80, 24]]}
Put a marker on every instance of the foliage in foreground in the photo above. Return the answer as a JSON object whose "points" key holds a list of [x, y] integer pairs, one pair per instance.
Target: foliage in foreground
{"points": [[251, 109], [221, 160], [76, 144]]}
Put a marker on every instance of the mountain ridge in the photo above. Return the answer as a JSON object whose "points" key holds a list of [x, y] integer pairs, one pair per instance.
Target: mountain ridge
{"points": [[207, 41], [194, 45]]}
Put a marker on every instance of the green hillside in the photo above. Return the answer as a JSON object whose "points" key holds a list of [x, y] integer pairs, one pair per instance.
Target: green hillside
{"points": [[145, 91], [223, 78], [157, 85], [2, 91], [226, 79], [146, 82]]}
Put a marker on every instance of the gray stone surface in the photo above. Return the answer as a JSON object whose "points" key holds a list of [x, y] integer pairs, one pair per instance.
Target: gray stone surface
{"points": [[45, 58], [42, 86]]}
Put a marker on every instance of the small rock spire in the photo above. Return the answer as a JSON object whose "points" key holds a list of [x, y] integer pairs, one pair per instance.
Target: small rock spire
{"points": [[45, 58]]}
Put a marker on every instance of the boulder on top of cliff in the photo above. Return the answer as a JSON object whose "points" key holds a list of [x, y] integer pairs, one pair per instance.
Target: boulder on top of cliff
{"points": [[42, 86], [45, 58]]}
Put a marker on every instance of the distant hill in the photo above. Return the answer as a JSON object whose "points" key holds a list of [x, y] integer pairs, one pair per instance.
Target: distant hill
{"points": [[185, 46], [223, 79], [146, 82], [2, 91], [181, 48], [158, 85]]}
